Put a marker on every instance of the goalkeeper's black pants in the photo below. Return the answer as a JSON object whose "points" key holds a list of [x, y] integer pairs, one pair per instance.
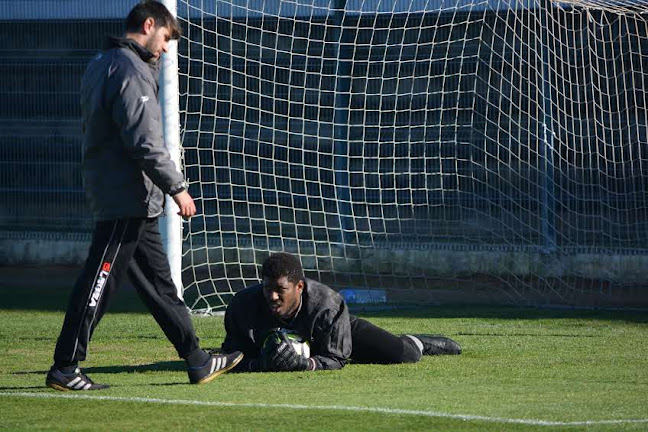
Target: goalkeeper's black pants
{"points": [[372, 344], [120, 249]]}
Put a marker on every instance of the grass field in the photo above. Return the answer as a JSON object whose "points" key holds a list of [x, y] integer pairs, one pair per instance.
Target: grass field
{"points": [[522, 369]]}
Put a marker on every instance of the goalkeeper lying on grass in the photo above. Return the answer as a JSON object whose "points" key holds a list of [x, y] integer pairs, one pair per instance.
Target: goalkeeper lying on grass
{"points": [[287, 300]]}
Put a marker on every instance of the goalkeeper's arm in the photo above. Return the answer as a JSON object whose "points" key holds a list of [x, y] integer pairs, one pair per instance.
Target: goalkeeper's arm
{"points": [[280, 364], [331, 347], [237, 340]]}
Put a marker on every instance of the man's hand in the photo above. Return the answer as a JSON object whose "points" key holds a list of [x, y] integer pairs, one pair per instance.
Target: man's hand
{"points": [[279, 356], [185, 204]]}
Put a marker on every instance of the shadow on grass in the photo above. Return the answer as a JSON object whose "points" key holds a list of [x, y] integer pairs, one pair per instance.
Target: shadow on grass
{"points": [[498, 312], [166, 366], [24, 388]]}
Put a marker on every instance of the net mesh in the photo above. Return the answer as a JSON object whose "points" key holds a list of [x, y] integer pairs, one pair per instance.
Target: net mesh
{"points": [[434, 149]]}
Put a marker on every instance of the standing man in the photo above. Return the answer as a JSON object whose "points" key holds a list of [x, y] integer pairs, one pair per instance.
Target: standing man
{"points": [[288, 300], [126, 172]]}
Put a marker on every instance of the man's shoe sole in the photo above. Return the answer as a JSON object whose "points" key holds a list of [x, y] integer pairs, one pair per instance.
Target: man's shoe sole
{"points": [[59, 387], [208, 378], [56, 386]]}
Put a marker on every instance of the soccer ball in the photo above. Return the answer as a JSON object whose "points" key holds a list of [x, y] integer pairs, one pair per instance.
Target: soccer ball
{"points": [[300, 344]]}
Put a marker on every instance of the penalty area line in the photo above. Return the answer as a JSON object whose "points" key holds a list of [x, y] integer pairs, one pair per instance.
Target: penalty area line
{"points": [[378, 410]]}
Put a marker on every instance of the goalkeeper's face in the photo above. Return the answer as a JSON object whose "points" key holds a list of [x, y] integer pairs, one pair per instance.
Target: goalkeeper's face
{"points": [[283, 296]]}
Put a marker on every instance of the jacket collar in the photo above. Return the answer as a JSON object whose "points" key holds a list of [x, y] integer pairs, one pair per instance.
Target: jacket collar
{"points": [[120, 42]]}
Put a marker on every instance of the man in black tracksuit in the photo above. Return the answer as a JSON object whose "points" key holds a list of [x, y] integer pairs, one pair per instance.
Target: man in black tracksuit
{"points": [[127, 171], [286, 299]]}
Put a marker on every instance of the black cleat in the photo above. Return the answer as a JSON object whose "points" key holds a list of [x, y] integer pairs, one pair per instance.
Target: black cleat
{"points": [[216, 365], [75, 381], [438, 345]]}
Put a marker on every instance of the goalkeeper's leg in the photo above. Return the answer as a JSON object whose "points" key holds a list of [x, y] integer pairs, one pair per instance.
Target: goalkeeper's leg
{"points": [[372, 344]]}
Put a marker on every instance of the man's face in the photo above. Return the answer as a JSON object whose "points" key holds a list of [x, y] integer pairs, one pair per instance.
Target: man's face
{"points": [[158, 41], [283, 297]]}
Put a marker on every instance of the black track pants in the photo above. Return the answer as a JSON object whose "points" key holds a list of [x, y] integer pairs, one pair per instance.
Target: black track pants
{"points": [[371, 344], [124, 248]]}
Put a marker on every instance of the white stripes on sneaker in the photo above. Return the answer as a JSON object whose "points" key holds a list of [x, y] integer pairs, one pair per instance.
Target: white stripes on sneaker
{"points": [[78, 383], [218, 363]]}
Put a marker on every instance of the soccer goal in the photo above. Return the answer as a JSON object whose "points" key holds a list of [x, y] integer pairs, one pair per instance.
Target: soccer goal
{"points": [[438, 150]]}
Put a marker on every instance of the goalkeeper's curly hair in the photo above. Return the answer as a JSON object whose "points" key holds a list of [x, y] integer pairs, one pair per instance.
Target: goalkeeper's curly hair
{"points": [[282, 264]]}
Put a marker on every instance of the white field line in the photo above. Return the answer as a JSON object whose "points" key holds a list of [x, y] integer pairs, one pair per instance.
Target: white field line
{"points": [[468, 417]]}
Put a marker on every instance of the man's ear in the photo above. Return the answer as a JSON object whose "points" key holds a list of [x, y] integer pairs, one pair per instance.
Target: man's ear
{"points": [[300, 286], [149, 26]]}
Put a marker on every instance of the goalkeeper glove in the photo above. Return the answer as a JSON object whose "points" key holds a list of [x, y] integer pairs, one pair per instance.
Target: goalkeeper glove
{"points": [[279, 355]]}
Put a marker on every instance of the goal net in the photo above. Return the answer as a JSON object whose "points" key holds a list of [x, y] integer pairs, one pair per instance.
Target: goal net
{"points": [[439, 150]]}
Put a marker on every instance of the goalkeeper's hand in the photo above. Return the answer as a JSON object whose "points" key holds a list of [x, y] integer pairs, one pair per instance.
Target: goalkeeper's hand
{"points": [[279, 355]]}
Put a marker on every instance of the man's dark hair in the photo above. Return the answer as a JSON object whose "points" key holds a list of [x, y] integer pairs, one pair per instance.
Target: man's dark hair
{"points": [[156, 10], [282, 264]]}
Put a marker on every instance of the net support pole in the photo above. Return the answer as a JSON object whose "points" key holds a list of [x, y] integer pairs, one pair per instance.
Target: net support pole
{"points": [[341, 124], [546, 148], [170, 222]]}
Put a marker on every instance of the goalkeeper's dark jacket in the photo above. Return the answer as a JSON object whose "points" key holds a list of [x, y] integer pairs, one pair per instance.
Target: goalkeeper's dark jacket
{"points": [[126, 166], [323, 319]]}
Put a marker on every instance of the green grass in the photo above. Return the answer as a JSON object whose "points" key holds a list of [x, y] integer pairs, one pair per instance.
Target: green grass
{"points": [[524, 364]]}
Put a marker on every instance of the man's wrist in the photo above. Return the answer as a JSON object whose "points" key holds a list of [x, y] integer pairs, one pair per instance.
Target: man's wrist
{"points": [[177, 188]]}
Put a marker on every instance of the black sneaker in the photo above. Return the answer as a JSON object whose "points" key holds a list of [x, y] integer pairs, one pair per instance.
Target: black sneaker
{"points": [[216, 365], [74, 381], [438, 345]]}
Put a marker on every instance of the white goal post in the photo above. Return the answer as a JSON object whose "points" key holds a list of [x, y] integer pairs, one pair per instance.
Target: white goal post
{"points": [[171, 222], [442, 150]]}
